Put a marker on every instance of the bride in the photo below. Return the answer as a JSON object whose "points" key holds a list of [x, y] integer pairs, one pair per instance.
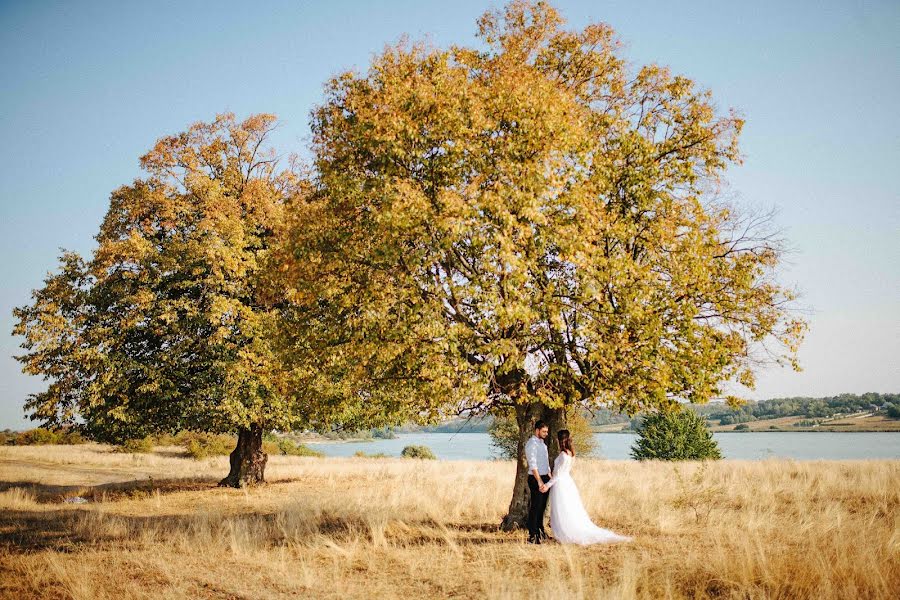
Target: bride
{"points": [[568, 519]]}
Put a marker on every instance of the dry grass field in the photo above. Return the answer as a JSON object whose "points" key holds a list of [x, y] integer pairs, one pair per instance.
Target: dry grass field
{"points": [[156, 526]]}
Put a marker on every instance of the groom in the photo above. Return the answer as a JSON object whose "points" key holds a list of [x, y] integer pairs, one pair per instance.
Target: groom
{"points": [[538, 476]]}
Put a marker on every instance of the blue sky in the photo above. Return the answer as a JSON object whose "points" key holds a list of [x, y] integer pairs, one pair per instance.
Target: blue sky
{"points": [[89, 87]]}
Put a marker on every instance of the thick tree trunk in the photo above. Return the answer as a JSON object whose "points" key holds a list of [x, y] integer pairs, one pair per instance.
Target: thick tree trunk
{"points": [[526, 415], [248, 461]]}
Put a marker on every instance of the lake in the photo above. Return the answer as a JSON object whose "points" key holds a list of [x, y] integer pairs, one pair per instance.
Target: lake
{"points": [[617, 446]]}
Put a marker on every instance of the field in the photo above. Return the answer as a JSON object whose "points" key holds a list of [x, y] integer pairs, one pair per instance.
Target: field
{"points": [[155, 526], [864, 422], [849, 423]]}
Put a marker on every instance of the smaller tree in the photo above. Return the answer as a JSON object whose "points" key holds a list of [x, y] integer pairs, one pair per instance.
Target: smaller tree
{"points": [[504, 432], [678, 434], [169, 325]]}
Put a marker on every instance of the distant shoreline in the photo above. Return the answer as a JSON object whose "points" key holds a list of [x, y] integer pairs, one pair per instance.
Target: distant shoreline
{"points": [[780, 431]]}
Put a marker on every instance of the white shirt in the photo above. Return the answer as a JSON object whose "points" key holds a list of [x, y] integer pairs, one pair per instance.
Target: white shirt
{"points": [[536, 454]]}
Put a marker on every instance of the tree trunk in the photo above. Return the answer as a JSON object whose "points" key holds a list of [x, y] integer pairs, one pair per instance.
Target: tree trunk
{"points": [[556, 420], [526, 415], [248, 461]]}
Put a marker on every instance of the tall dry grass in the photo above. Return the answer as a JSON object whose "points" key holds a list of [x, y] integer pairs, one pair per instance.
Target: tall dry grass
{"points": [[157, 527]]}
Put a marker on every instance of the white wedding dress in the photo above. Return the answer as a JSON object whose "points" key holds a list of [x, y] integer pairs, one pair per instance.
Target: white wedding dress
{"points": [[568, 519]]}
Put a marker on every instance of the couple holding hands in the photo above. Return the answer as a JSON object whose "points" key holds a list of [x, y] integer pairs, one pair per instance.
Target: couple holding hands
{"points": [[569, 520]]}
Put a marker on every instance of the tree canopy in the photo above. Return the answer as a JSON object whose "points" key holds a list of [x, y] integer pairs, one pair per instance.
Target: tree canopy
{"points": [[529, 222], [166, 327]]}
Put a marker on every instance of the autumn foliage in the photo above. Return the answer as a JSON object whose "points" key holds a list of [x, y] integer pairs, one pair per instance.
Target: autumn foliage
{"points": [[165, 327], [529, 225]]}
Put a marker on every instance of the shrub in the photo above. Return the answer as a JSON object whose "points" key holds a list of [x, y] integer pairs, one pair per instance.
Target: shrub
{"points": [[41, 436], [361, 454], [291, 448], [37, 437], [893, 411], [742, 427], [697, 493], [203, 445], [136, 446], [384, 434], [418, 452], [675, 435], [348, 435], [167, 439], [505, 434], [73, 437]]}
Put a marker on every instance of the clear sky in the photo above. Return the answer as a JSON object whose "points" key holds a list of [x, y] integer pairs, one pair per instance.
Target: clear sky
{"points": [[89, 86]]}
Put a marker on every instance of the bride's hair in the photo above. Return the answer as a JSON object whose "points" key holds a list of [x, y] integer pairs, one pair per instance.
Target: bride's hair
{"points": [[565, 441]]}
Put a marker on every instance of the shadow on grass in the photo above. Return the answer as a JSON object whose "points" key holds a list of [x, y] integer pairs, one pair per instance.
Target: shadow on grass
{"points": [[76, 529], [72, 527], [137, 488], [119, 490]]}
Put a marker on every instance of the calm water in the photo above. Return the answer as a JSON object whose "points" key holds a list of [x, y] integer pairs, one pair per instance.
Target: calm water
{"points": [[617, 446]]}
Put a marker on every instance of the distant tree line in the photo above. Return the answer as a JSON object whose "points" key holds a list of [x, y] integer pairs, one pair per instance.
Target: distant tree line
{"points": [[811, 408], [802, 407]]}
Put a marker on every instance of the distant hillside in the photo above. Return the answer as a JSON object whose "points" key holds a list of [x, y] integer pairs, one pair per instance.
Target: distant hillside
{"points": [[813, 411], [461, 425], [828, 407]]}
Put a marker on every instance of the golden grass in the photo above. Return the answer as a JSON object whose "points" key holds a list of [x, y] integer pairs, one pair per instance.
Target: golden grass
{"points": [[157, 527]]}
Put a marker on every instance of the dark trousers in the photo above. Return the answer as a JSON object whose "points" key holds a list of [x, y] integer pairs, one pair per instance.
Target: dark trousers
{"points": [[536, 507]]}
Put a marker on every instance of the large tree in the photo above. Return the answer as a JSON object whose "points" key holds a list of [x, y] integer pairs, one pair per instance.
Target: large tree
{"points": [[529, 224], [167, 326]]}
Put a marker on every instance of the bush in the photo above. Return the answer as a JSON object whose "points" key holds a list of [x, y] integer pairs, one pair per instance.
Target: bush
{"points": [[361, 454], [37, 437], [203, 445], [136, 446], [418, 452], [384, 434], [167, 439], [893, 411], [348, 435], [73, 437], [504, 434], [41, 436], [290, 448], [675, 435], [742, 427]]}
